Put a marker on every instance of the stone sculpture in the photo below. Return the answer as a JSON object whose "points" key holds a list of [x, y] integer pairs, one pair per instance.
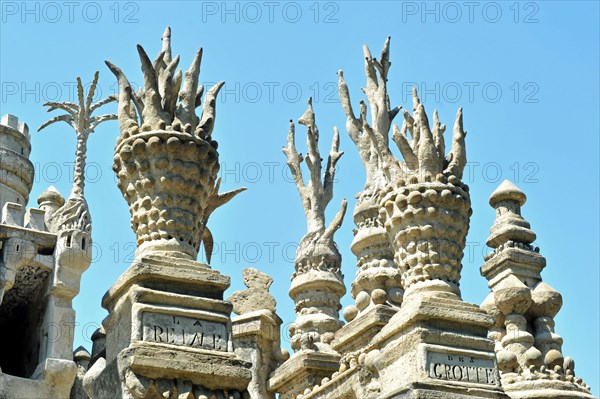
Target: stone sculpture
{"points": [[74, 213], [256, 336], [170, 334], [256, 296], [166, 154], [169, 330], [317, 282], [529, 351], [377, 289]]}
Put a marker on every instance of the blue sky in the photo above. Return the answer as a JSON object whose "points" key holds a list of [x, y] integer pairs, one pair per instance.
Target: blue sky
{"points": [[525, 73]]}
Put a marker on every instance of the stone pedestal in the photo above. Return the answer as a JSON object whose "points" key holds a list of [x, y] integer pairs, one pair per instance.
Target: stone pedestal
{"points": [[256, 340], [437, 347], [168, 332], [358, 333], [302, 372]]}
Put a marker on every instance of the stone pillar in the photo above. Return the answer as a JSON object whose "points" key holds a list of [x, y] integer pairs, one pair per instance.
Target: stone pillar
{"points": [[528, 350], [436, 343], [317, 282], [376, 288], [168, 332]]}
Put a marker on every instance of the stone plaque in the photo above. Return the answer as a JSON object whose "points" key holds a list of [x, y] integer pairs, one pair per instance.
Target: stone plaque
{"points": [[461, 368], [184, 331]]}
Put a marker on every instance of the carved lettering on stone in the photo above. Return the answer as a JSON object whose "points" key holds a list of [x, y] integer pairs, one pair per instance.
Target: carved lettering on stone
{"points": [[462, 368], [184, 331]]}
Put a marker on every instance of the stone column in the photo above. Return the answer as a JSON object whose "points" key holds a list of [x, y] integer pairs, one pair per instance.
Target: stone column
{"points": [[256, 331], [529, 351], [436, 342], [317, 282], [377, 288], [168, 332]]}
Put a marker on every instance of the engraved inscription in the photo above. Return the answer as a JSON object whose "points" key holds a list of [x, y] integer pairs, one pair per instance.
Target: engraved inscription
{"points": [[463, 368], [184, 331]]}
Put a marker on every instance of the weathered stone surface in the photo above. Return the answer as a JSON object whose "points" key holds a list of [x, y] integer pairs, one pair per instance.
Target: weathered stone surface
{"points": [[40, 271], [529, 352], [371, 245], [256, 296], [168, 332], [317, 283], [256, 340]]}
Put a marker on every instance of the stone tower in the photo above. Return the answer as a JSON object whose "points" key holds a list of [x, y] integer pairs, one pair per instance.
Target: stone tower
{"points": [[40, 270], [16, 170]]}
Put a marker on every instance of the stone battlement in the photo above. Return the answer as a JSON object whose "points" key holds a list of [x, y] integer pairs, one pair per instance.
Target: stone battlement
{"points": [[12, 122], [17, 215]]}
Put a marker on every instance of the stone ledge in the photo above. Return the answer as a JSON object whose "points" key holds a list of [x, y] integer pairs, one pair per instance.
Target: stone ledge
{"points": [[522, 263], [445, 314], [185, 276], [260, 322], [210, 369], [359, 332], [303, 370], [52, 379], [420, 390]]}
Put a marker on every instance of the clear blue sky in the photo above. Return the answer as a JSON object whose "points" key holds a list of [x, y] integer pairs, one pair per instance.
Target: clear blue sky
{"points": [[525, 73]]}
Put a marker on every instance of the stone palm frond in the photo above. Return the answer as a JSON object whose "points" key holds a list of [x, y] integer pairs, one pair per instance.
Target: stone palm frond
{"points": [[424, 151], [216, 200], [79, 117], [168, 99]]}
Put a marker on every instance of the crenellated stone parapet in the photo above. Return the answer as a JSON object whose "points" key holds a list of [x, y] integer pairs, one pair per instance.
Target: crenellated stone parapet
{"points": [[16, 170], [40, 270]]}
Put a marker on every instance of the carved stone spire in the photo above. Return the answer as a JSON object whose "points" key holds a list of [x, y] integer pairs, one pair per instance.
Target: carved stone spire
{"points": [[528, 350], [317, 283], [377, 279]]}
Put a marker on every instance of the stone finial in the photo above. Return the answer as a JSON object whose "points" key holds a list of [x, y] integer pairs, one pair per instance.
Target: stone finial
{"points": [[165, 158], [317, 283], [317, 194], [51, 196], [377, 279], [256, 296], [423, 153], [528, 350], [81, 355], [507, 191], [509, 225], [50, 201]]}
